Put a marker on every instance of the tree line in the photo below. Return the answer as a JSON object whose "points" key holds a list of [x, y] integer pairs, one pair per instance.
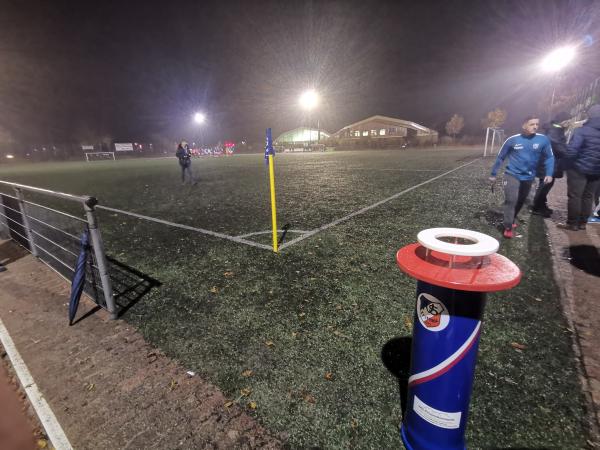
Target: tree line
{"points": [[494, 119]]}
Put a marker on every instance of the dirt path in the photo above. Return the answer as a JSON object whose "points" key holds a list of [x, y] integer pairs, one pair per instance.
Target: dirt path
{"points": [[107, 387], [577, 271], [16, 429]]}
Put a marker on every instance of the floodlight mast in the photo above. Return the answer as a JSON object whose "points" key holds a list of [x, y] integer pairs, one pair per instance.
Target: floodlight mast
{"points": [[554, 62], [200, 118], [309, 100], [558, 59]]}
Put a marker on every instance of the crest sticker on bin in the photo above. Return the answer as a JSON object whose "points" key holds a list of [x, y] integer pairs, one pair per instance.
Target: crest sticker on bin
{"points": [[432, 313], [455, 268]]}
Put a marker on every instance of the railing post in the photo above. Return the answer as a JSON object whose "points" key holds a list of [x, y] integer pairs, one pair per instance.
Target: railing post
{"points": [[90, 212], [23, 209], [4, 230]]}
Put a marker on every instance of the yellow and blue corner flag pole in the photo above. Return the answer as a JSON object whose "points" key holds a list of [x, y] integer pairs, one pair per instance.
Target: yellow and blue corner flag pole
{"points": [[269, 158]]}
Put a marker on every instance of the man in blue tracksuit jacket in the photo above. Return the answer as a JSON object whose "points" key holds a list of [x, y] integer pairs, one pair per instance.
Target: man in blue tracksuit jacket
{"points": [[523, 152]]}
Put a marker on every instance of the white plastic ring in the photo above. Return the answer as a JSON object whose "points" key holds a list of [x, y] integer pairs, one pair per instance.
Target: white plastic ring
{"points": [[481, 245]]}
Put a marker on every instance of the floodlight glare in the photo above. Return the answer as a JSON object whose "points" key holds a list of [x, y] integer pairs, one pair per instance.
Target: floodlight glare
{"points": [[558, 59], [199, 117], [309, 99]]}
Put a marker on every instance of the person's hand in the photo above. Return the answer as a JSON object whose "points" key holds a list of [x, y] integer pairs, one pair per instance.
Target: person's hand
{"points": [[547, 180]]}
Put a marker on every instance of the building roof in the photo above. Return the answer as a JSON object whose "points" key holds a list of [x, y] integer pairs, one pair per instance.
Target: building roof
{"points": [[392, 121], [301, 134]]}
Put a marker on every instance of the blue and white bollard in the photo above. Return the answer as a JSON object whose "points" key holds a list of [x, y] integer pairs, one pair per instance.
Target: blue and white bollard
{"points": [[453, 279]]}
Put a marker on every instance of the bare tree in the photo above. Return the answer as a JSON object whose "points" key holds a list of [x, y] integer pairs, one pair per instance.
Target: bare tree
{"points": [[494, 118], [455, 125]]}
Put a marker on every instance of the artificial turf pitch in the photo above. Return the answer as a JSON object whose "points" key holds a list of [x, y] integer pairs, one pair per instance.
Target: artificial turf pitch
{"points": [[312, 322]]}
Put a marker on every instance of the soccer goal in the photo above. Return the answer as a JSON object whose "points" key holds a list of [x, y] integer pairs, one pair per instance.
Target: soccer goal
{"points": [[494, 137], [99, 156]]}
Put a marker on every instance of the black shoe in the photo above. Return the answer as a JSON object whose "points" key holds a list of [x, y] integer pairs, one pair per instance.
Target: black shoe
{"points": [[567, 226], [582, 226]]}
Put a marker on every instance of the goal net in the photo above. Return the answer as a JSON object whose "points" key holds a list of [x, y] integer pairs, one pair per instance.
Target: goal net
{"points": [[99, 156], [494, 138]]}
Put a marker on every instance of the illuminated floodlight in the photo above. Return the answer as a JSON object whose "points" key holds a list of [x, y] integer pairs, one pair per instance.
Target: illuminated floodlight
{"points": [[10, 156], [309, 99], [558, 59], [199, 117]]}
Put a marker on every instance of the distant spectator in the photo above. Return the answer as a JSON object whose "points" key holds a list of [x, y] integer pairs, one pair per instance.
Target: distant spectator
{"points": [[523, 152], [583, 179], [184, 155], [555, 131]]}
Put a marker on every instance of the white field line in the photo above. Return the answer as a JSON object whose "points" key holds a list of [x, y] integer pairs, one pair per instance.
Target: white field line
{"points": [[395, 170], [270, 231], [374, 205], [239, 240], [305, 234], [53, 429]]}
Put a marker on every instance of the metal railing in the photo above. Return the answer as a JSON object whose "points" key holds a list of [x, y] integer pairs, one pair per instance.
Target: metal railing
{"points": [[45, 240]]}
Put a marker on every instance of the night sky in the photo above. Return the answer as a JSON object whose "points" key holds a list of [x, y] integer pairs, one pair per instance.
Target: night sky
{"points": [[137, 71]]}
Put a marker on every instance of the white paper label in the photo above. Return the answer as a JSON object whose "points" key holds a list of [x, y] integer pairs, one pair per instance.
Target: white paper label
{"points": [[442, 419]]}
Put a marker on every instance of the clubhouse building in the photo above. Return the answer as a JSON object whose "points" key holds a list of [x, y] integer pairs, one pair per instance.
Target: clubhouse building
{"points": [[383, 131]]}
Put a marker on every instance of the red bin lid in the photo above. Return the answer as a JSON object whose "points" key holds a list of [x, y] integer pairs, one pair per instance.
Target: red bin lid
{"points": [[489, 273]]}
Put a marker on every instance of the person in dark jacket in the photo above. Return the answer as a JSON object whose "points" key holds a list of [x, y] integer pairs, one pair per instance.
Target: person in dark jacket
{"points": [[555, 131], [184, 155], [583, 178]]}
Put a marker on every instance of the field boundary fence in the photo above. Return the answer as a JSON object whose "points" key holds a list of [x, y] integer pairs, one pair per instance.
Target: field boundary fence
{"points": [[53, 236]]}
